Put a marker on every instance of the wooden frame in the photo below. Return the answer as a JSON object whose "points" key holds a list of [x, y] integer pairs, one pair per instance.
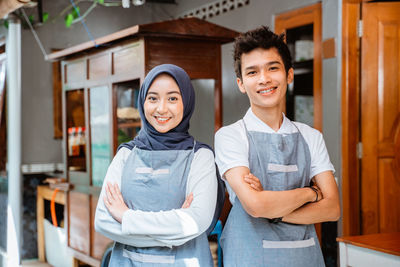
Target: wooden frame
{"points": [[299, 17], [351, 209]]}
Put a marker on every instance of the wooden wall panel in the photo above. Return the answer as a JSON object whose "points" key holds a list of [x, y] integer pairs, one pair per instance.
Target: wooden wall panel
{"points": [[389, 220], [75, 71], [129, 59], [99, 66], [198, 58], [99, 242], [79, 221], [350, 121]]}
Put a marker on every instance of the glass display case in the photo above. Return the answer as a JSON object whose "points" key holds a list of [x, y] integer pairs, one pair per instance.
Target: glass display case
{"points": [[100, 133], [299, 97], [128, 119], [76, 140]]}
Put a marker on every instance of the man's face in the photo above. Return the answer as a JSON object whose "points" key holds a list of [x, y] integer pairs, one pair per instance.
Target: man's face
{"points": [[264, 78]]}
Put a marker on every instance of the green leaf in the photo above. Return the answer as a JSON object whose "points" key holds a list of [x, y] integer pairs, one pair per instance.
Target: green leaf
{"points": [[45, 17], [75, 12], [68, 20], [31, 19], [6, 24], [100, 1]]}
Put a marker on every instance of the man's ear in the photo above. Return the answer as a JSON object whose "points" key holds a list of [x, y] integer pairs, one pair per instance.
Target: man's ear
{"points": [[240, 85], [290, 76]]}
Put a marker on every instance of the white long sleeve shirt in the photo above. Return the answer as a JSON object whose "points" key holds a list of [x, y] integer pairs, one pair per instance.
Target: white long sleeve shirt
{"points": [[163, 228]]}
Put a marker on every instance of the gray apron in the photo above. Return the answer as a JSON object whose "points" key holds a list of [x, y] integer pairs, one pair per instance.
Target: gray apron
{"points": [[156, 181], [281, 162]]}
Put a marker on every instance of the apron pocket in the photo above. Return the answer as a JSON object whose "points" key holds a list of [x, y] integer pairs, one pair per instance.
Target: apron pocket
{"points": [[282, 168], [289, 244], [148, 258], [146, 170]]}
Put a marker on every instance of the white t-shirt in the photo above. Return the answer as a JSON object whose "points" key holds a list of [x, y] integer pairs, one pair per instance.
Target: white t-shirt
{"points": [[232, 146], [165, 228]]}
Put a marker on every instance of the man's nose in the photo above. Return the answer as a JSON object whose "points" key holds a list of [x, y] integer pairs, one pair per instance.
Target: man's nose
{"points": [[264, 77]]}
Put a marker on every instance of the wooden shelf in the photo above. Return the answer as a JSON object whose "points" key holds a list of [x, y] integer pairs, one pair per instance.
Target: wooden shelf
{"points": [[306, 64]]}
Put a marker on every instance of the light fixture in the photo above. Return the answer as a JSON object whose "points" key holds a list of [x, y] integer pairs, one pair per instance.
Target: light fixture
{"points": [[138, 2]]}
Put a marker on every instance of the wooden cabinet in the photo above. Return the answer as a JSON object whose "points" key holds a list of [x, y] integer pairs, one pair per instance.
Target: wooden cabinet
{"points": [[302, 28], [100, 84]]}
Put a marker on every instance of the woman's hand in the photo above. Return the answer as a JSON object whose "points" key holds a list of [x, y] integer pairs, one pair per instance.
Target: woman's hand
{"points": [[114, 202], [188, 201], [254, 182]]}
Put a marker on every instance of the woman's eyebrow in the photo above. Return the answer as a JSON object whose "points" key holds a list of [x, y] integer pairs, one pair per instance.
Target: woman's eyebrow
{"points": [[174, 92]]}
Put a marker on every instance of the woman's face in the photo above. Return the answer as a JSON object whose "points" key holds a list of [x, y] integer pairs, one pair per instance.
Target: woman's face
{"points": [[163, 106]]}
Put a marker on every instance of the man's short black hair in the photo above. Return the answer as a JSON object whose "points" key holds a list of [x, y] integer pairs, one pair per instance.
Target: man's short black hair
{"points": [[261, 37]]}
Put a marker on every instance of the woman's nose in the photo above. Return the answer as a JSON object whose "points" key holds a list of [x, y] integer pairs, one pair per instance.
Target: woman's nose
{"points": [[162, 107]]}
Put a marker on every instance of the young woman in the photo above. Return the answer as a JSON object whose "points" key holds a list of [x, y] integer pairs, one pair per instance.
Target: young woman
{"points": [[159, 194]]}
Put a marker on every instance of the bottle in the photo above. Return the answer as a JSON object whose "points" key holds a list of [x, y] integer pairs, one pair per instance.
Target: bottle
{"points": [[75, 144], [71, 131]]}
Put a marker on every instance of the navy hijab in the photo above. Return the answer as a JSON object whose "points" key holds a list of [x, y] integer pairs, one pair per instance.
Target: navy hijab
{"points": [[177, 138]]}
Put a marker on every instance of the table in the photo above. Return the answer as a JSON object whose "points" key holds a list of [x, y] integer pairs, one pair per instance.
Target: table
{"points": [[370, 250]]}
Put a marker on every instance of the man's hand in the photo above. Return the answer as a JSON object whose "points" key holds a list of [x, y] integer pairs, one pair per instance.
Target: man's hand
{"points": [[114, 202], [318, 193], [253, 181]]}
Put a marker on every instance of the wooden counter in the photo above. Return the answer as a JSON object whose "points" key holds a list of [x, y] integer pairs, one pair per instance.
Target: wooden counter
{"points": [[370, 250]]}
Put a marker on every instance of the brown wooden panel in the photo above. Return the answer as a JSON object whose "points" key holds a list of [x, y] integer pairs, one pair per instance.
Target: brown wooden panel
{"points": [[197, 58], [129, 59], [380, 118], [99, 66], [388, 83], [99, 242], [57, 96], [389, 219], [78, 222], [386, 243], [350, 120], [75, 71], [329, 48]]}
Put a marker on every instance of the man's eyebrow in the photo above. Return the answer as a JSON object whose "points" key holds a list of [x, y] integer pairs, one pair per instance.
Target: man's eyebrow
{"points": [[273, 63], [267, 64]]}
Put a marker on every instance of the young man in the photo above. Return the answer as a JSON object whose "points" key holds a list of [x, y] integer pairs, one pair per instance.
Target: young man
{"points": [[269, 162]]}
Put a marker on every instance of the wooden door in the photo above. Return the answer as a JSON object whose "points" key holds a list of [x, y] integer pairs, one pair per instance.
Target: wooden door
{"points": [[380, 118]]}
